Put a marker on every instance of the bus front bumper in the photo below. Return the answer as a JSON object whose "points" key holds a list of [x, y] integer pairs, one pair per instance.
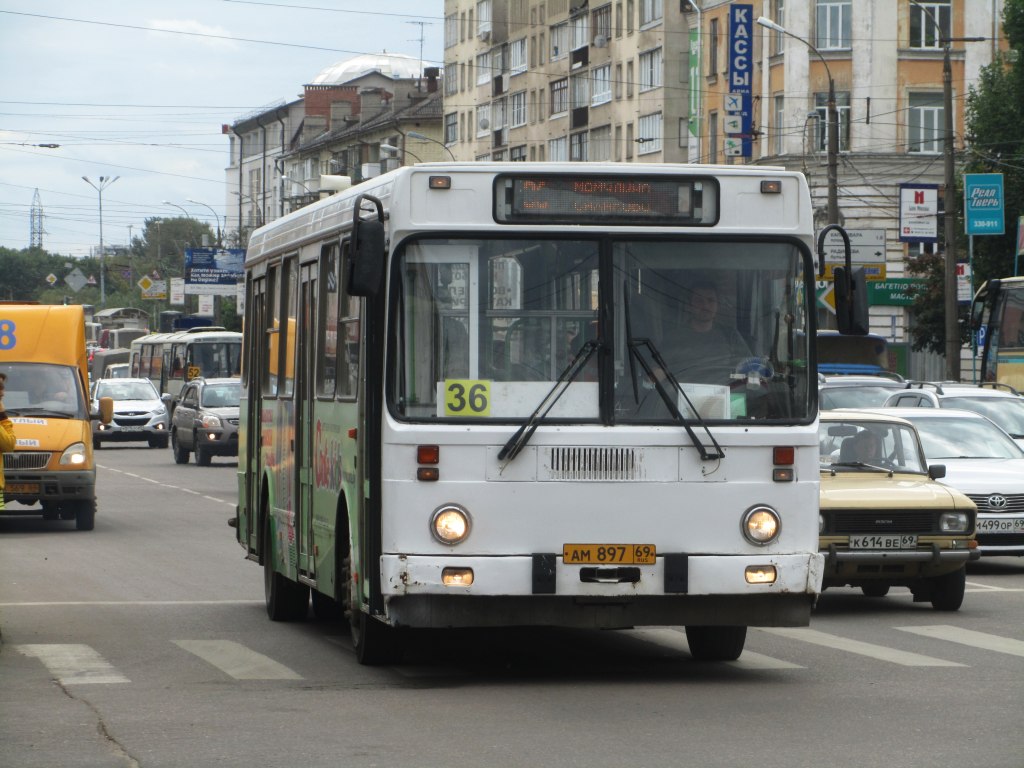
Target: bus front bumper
{"points": [[541, 590]]}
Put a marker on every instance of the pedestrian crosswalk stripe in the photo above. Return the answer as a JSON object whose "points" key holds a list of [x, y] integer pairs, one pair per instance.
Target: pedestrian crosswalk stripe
{"points": [[73, 664], [237, 660], [870, 650], [970, 637]]}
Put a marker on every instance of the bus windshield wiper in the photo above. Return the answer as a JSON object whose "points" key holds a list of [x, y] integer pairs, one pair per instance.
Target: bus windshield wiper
{"points": [[522, 436], [634, 345], [40, 412]]}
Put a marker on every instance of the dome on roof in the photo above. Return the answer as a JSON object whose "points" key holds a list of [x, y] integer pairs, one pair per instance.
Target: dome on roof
{"points": [[394, 65]]}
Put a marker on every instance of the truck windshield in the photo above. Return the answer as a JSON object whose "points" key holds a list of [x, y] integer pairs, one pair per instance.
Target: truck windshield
{"points": [[38, 387]]}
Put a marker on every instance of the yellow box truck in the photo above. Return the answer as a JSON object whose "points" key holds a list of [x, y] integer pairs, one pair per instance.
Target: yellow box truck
{"points": [[42, 351]]}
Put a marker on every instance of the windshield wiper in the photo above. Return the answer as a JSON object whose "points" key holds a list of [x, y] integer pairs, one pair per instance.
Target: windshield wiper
{"points": [[633, 345], [39, 412], [861, 465], [522, 436]]}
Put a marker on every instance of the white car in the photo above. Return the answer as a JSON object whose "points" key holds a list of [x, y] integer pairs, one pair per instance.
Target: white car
{"points": [[1001, 404], [139, 413], [984, 463]]}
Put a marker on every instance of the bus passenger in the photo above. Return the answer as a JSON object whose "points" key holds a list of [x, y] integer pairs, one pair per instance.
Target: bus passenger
{"points": [[7, 440]]}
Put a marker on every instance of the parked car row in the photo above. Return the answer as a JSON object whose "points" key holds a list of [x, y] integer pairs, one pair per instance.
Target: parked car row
{"points": [[204, 422]]}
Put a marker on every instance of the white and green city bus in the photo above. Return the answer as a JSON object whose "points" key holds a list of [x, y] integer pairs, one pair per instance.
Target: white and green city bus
{"points": [[997, 316], [474, 395]]}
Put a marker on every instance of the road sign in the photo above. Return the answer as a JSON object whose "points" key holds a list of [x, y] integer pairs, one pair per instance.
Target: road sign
{"points": [[826, 293], [867, 246], [51, 278], [871, 271], [983, 204], [75, 279]]}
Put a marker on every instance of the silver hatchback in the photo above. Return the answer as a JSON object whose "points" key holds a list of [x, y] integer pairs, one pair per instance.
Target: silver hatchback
{"points": [[205, 421]]}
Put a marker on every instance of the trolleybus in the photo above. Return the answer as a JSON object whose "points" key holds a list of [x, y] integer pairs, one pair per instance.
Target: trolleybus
{"points": [[483, 395], [997, 315]]}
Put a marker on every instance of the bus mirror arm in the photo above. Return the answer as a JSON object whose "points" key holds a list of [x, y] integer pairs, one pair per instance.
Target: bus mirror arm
{"points": [[368, 256]]}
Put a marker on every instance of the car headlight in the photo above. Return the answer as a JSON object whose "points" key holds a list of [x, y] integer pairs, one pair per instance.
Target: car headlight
{"points": [[761, 525], [74, 455], [954, 522], [209, 421], [450, 524]]}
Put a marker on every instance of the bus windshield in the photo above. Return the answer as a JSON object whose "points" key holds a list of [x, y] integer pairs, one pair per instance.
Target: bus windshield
{"points": [[484, 328]]}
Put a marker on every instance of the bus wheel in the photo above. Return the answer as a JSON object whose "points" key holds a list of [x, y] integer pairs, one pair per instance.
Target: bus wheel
{"points": [[85, 514], [875, 590], [948, 590], [716, 643], [180, 454], [286, 599], [375, 642]]}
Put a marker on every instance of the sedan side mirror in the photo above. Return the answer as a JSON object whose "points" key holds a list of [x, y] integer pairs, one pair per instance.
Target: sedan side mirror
{"points": [[937, 471]]}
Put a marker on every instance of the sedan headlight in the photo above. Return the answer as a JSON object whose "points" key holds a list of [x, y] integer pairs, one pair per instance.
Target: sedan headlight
{"points": [[450, 524], [761, 525], [954, 522]]}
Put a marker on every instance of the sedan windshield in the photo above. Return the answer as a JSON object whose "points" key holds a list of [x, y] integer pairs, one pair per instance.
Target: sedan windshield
{"points": [[964, 438], [1008, 412], [852, 445], [679, 330]]}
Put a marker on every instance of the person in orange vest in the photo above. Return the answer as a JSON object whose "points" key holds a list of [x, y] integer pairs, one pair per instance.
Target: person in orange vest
{"points": [[7, 440]]}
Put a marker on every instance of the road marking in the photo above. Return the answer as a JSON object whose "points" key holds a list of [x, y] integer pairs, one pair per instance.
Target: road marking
{"points": [[970, 637], [237, 660], [870, 650], [676, 640], [974, 586], [73, 664]]}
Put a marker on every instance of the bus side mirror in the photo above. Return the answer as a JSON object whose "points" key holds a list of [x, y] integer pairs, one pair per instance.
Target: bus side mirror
{"points": [[367, 256], [106, 410], [851, 294]]}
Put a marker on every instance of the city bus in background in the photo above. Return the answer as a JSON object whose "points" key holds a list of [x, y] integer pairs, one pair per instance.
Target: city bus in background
{"points": [[483, 414], [171, 359], [865, 355], [997, 317]]}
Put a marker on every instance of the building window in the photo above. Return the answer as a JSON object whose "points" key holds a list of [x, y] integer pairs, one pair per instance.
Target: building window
{"points": [[618, 81], [924, 123], [629, 79], [651, 12], [833, 24], [923, 15], [517, 106], [451, 84], [483, 121], [821, 129], [483, 68], [600, 146], [713, 48], [779, 143], [558, 150], [559, 97], [517, 56], [650, 69], [451, 30], [601, 82], [779, 17], [560, 40], [580, 91], [483, 18], [451, 128], [601, 22], [713, 137], [517, 154], [580, 26], [649, 127], [578, 147]]}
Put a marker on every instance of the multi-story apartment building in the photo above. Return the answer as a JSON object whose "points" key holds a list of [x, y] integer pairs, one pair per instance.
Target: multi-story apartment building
{"points": [[649, 81]]}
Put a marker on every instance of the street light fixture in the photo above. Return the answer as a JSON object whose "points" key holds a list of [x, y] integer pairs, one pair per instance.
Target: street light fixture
{"points": [[216, 218], [175, 205], [393, 148], [103, 183], [833, 122], [423, 137], [949, 201]]}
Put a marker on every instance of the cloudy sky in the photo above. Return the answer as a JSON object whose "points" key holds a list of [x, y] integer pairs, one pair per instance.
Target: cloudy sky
{"points": [[139, 89]]}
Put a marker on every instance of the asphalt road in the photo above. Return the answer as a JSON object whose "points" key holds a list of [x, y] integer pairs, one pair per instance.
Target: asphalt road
{"points": [[145, 643]]}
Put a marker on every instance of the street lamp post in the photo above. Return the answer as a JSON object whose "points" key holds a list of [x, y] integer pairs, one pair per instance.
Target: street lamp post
{"points": [[393, 148], [216, 218], [175, 205], [833, 123], [103, 183], [423, 137], [950, 204]]}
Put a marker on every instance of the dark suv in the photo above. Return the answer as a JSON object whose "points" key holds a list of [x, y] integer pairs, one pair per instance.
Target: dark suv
{"points": [[205, 421]]}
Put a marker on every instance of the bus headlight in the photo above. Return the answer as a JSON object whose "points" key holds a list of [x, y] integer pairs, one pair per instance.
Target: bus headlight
{"points": [[761, 525], [450, 524], [953, 522], [73, 455]]}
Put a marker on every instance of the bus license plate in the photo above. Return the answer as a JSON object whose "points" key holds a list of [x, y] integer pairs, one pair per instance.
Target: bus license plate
{"points": [[608, 554], [883, 542], [22, 488]]}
